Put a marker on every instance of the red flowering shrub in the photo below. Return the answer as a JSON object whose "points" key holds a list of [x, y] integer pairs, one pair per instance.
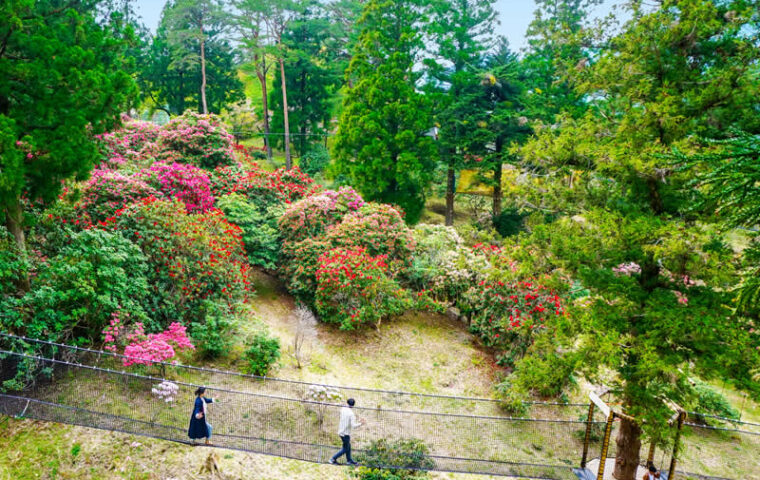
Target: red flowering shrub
{"points": [[186, 183], [109, 190], [300, 264], [191, 257], [262, 187], [506, 315], [354, 289], [200, 140]]}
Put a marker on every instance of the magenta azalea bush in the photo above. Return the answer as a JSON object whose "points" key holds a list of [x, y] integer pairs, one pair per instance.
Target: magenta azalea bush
{"points": [[186, 183], [140, 348]]}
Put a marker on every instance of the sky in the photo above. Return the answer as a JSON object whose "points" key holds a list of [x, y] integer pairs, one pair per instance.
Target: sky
{"points": [[514, 16]]}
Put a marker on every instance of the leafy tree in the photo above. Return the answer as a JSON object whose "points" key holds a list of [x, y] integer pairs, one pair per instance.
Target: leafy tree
{"points": [[658, 279], [310, 82], [461, 31], [63, 80], [381, 142]]}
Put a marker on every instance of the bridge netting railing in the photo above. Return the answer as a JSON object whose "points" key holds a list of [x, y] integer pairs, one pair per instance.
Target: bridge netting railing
{"points": [[94, 396], [293, 388]]}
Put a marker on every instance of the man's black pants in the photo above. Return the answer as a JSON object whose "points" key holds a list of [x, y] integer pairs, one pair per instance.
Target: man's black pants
{"points": [[345, 450]]}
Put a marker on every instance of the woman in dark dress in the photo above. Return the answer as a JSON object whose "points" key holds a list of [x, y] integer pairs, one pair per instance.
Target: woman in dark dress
{"points": [[199, 426]]}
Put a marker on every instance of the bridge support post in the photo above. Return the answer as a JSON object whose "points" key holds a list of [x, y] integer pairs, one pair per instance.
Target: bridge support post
{"points": [[605, 446], [588, 434], [676, 445]]}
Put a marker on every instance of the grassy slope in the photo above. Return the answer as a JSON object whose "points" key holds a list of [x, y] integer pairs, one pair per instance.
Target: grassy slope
{"points": [[419, 353]]}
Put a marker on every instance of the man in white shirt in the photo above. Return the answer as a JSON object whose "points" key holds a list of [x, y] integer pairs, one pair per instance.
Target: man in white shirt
{"points": [[347, 423]]}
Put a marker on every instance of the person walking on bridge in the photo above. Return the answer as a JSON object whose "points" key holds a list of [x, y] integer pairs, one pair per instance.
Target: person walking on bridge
{"points": [[199, 426], [347, 423]]}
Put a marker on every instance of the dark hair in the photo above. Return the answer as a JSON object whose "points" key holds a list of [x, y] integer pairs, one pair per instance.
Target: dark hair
{"points": [[351, 402], [200, 391], [652, 468]]}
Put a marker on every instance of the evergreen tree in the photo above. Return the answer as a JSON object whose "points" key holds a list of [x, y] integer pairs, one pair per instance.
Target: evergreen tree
{"points": [[658, 279], [461, 31], [382, 142], [64, 78], [311, 80]]}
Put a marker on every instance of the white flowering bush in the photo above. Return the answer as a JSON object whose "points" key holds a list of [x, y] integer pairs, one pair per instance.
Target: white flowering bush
{"points": [[166, 391]]}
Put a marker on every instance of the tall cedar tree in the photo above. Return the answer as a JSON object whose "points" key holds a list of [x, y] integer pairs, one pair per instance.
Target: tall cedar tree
{"points": [[172, 77], [64, 79], [311, 80], [461, 31], [684, 69], [382, 142]]}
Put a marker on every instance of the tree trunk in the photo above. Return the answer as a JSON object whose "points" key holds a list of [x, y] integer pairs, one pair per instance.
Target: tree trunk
{"points": [[14, 219], [203, 74], [497, 190], [263, 79], [450, 185], [628, 446], [288, 161]]}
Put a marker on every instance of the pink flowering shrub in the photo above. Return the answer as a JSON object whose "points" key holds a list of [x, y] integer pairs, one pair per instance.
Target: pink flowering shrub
{"points": [[627, 269], [379, 229], [186, 183], [199, 140], [311, 216], [133, 144], [109, 190], [140, 348], [354, 289]]}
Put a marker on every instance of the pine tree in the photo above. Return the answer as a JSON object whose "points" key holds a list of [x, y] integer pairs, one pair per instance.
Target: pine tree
{"points": [[382, 142], [462, 30]]}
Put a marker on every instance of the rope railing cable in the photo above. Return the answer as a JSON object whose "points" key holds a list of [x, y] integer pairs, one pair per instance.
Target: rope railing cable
{"points": [[275, 379], [264, 395]]}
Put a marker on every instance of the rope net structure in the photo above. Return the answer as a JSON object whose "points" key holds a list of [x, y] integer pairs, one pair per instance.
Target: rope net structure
{"points": [[299, 420]]}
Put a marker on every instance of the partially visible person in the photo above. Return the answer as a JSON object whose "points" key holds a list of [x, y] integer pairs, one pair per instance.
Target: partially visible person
{"points": [[652, 473], [199, 426], [347, 423]]}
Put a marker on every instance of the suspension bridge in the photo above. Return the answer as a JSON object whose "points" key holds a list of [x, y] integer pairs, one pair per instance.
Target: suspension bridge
{"points": [[298, 420]]}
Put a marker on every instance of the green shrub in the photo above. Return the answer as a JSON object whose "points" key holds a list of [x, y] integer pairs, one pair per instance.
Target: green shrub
{"points": [[96, 274], [261, 236], [262, 352], [509, 222], [712, 403], [13, 266], [408, 456], [315, 160], [213, 334]]}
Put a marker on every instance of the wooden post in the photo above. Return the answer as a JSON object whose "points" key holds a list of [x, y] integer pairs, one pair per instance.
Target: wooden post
{"points": [[676, 445], [588, 434], [605, 446]]}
